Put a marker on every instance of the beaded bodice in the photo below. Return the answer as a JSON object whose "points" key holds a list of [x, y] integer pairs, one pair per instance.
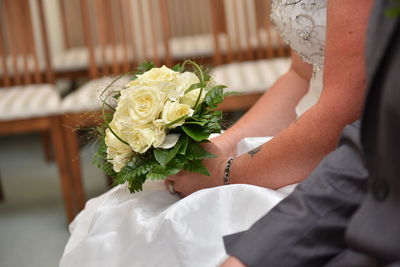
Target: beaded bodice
{"points": [[302, 25]]}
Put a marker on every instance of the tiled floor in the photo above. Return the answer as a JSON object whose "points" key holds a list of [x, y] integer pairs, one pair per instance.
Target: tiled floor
{"points": [[33, 228]]}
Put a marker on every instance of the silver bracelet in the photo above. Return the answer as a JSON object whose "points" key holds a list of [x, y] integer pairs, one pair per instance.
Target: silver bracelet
{"points": [[227, 171]]}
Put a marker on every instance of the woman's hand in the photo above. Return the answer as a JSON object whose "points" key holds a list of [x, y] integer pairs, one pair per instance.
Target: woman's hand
{"points": [[185, 183]]}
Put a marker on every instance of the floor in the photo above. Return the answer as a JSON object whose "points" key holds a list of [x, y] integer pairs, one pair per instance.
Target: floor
{"points": [[33, 227]]}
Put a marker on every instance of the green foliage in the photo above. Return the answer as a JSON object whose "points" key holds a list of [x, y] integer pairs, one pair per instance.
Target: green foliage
{"points": [[196, 166], [196, 132], [215, 96], [196, 152], [178, 67], [162, 172], [164, 156]]}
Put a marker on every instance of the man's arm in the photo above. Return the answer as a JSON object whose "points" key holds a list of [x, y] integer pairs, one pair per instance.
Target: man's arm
{"points": [[307, 228]]}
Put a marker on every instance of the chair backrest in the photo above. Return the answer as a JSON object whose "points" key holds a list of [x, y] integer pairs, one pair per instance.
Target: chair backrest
{"points": [[189, 17], [24, 49], [122, 33], [243, 31], [71, 23], [190, 30]]}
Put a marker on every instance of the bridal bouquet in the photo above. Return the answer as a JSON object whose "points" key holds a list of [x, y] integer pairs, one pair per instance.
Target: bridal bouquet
{"points": [[157, 122]]}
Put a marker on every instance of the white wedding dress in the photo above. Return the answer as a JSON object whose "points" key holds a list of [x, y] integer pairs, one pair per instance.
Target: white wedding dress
{"points": [[154, 228]]}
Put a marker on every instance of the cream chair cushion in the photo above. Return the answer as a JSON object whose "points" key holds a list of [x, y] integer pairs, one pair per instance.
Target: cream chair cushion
{"points": [[251, 76], [24, 102], [88, 96]]}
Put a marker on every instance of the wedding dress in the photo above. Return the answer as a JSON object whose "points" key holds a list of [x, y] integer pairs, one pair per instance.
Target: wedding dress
{"points": [[155, 228]]}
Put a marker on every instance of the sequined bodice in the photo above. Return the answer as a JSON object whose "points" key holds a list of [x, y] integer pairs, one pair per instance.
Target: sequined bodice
{"points": [[302, 25]]}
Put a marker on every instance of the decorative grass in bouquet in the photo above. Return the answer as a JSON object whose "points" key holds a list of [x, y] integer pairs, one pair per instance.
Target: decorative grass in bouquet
{"points": [[157, 123]]}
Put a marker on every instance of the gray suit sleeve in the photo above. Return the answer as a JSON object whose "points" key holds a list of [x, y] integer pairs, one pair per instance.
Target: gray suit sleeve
{"points": [[307, 228]]}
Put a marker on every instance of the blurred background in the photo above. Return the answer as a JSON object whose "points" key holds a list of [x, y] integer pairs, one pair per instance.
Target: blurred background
{"points": [[56, 56]]}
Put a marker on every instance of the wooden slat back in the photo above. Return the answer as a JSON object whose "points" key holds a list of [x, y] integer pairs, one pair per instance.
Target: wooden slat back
{"points": [[188, 17], [120, 34], [24, 50], [64, 23], [190, 29], [243, 31]]}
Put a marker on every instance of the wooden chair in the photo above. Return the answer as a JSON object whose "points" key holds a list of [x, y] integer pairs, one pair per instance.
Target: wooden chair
{"points": [[70, 61], [183, 27], [28, 100], [128, 33], [191, 35], [249, 54]]}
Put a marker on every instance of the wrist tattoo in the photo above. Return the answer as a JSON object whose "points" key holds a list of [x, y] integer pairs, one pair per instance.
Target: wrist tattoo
{"points": [[254, 151]]}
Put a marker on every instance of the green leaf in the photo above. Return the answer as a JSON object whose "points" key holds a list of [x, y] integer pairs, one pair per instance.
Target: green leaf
{"points": [[196, 166], [195, 152], [193, 87], [215, 96], [136, 185], [135, 172], [213, 127], [145, 66], [161, 172], [158, 173], [201, 123], [185, 141], [196, 132], [163, 156], [178, 67], [232, 93], [117, 95]]}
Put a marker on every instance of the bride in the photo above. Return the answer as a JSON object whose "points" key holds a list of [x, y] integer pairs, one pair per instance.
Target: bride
{"points": [[158, 228]]}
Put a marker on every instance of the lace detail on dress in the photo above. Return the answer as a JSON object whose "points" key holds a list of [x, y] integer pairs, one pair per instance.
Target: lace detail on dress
{"points": [[302, 25]]}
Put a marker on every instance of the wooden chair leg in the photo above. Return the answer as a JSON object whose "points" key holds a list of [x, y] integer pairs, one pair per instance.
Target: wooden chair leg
{"points": [[47, 148], [72, 144], [60, 154]]}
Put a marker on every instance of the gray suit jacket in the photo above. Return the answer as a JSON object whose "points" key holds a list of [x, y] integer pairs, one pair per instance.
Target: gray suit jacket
{"points": [[312, 226]]}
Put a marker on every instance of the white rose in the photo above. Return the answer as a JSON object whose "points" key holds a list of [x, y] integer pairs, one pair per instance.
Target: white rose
{"points": [[159, 135], [142, 138], [118, 153], [191, 97], [139, 105], [173, 111], [162, 74], [162, 79], [183, 82]]}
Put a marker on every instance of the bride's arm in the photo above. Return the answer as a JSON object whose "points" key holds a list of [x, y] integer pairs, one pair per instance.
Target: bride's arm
{"points": [[295, 151], [274, 111]]}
